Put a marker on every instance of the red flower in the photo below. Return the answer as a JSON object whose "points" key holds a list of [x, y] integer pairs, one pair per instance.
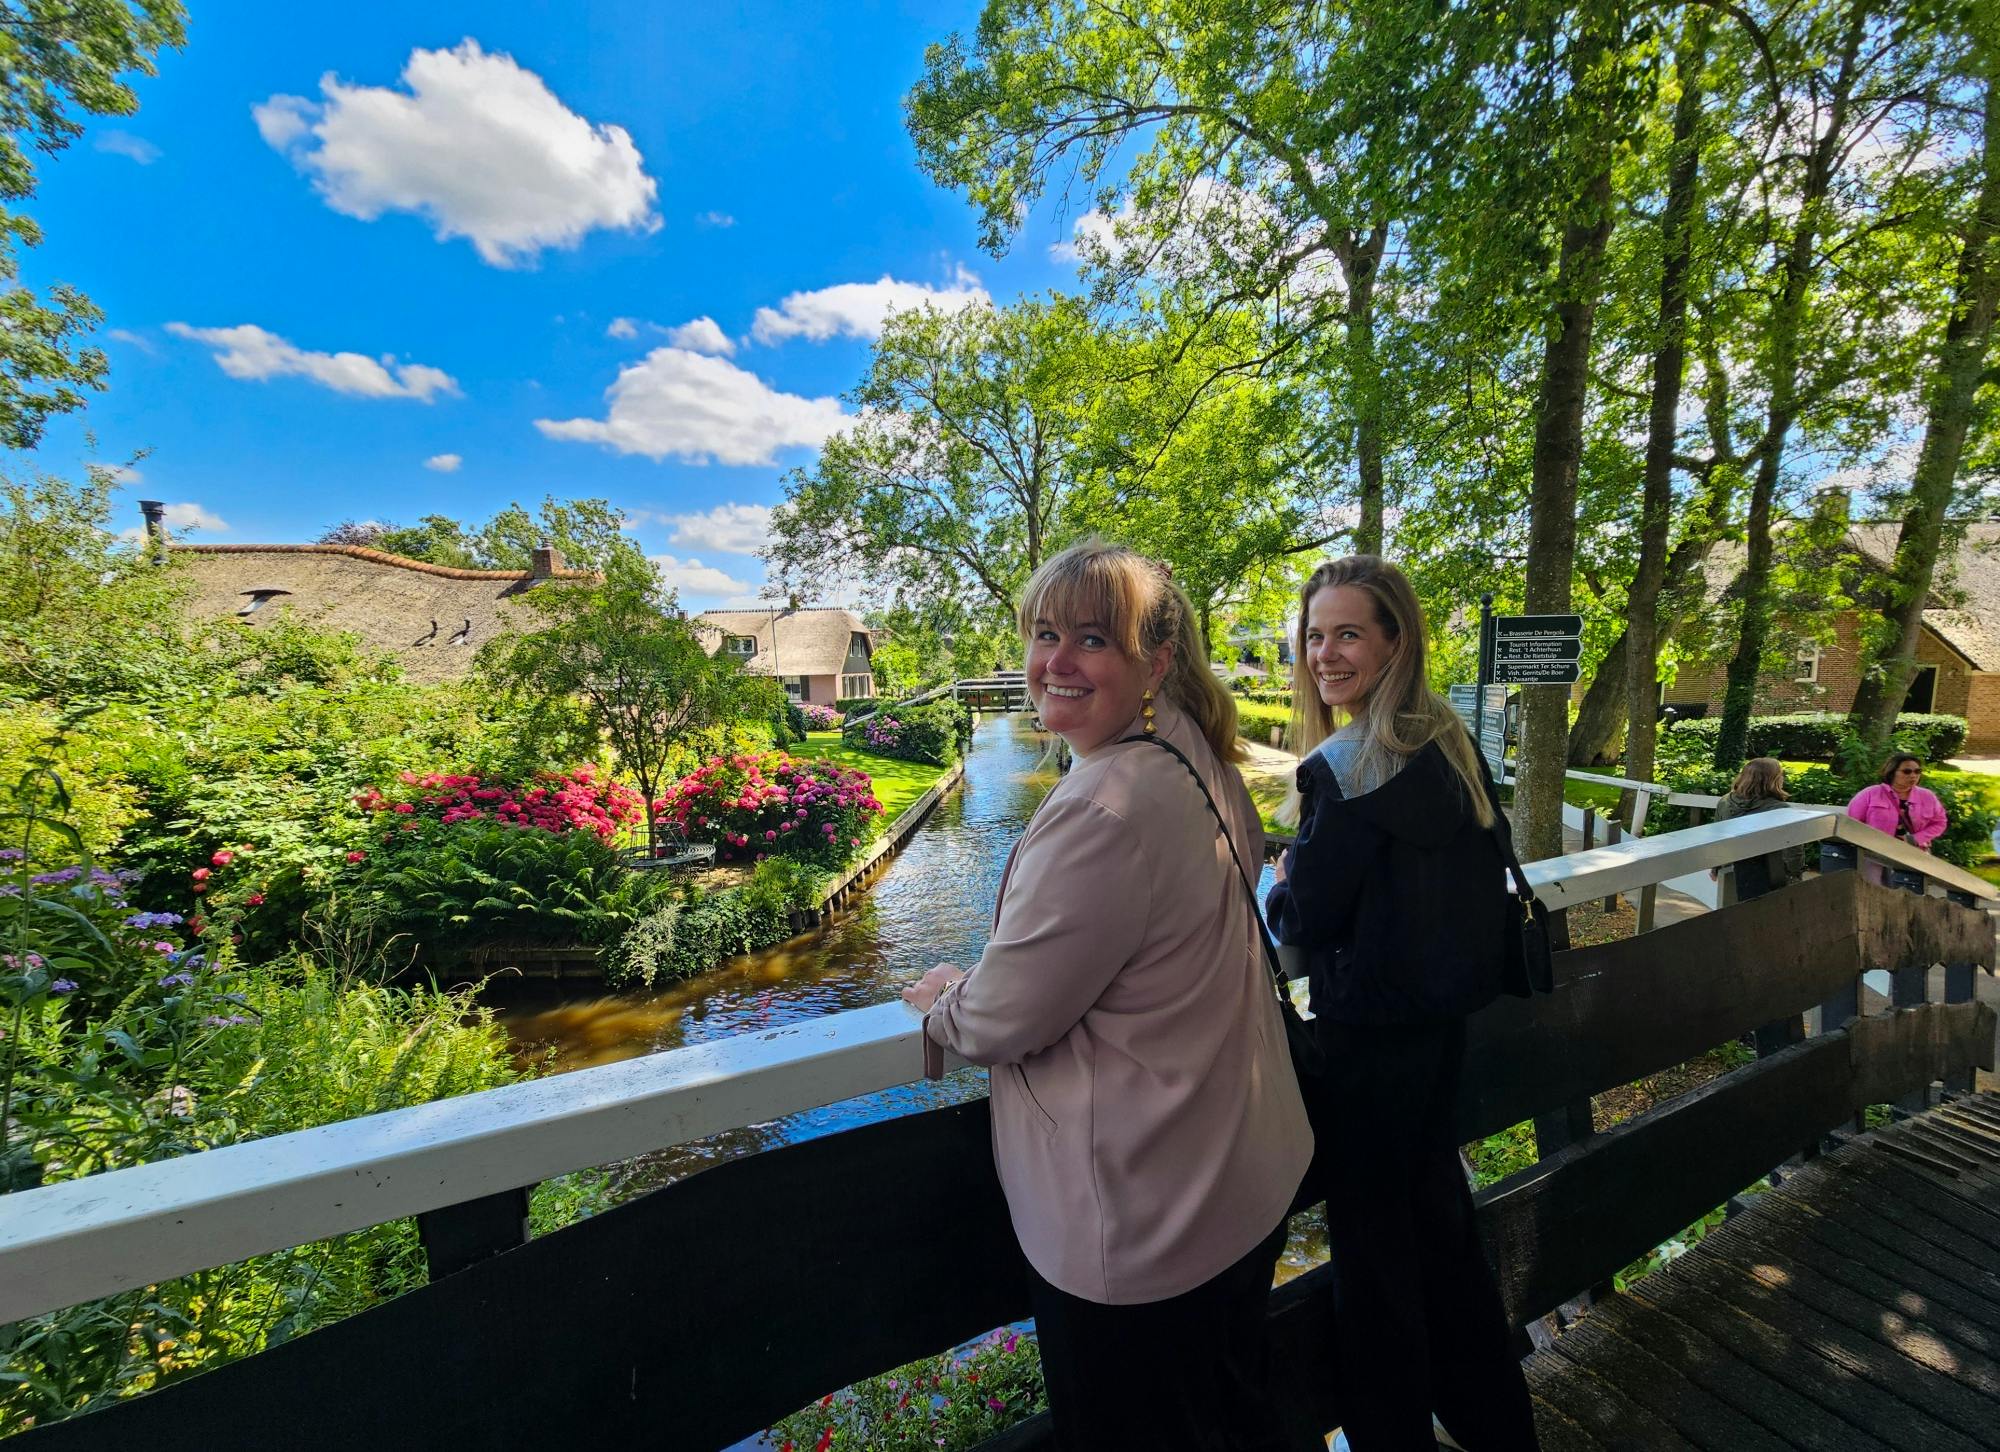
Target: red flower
{"points": [[200, 874], [223, 857], [825, 1441], [357, 856], [256, 899]]}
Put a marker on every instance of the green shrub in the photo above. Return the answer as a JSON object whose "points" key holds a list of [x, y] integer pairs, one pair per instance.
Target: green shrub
{"points": [[1814, 736], [1254, 721], [478, 883], [953, 1400], [934, 731], [848, 705]]}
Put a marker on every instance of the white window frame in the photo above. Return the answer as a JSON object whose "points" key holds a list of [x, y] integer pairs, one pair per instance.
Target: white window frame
{"points": [[795, 687], [740, 645], [1806, 663], [854, 678]]}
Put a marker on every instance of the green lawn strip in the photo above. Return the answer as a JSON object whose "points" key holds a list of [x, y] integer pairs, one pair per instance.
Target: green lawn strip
{"points": [[898, 783]]}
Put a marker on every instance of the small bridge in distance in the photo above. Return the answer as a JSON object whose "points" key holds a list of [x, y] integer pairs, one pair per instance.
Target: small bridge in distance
{"points": [[1001, 691]]}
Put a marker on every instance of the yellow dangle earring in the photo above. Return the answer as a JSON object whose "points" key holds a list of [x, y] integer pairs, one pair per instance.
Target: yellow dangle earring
{"points": [[1149, 713]]}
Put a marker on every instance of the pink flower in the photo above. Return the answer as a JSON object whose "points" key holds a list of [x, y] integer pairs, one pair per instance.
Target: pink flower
{"points": [[357, 856], [770, 836], [223, 857], [404, 807], [200, 874], [256, 899]]}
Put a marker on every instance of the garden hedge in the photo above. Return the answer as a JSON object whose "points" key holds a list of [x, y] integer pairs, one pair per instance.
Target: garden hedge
{"points": [[934, 731], [1816, 735]]}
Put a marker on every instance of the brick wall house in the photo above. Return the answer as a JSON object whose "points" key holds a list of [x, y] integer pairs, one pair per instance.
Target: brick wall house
{"points": [[1958, 650]]}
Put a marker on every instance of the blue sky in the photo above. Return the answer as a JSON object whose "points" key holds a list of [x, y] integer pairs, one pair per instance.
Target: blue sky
{"points": [[339, 249]]}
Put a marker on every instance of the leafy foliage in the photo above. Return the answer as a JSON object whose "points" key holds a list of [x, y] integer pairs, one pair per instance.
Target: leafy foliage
{"points": [[958, 1399], [933, 731], [775, 805], [1817, 736]]}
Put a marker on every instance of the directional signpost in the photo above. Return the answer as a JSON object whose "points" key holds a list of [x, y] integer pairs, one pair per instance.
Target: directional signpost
{"points": [[1483, 709], [1536, 650]]}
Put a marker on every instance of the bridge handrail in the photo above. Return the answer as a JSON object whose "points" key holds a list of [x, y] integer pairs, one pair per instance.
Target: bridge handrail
{"points": [[83, 1239]]}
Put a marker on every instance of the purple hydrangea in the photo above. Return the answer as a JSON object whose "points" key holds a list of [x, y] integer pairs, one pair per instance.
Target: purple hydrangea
{"points": [[154, 920], [177, 980], [62, 986]]}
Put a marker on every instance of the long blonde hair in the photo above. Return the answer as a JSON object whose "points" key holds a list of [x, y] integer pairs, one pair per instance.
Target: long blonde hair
{"points": [[1403, 713], [1140, 609]]}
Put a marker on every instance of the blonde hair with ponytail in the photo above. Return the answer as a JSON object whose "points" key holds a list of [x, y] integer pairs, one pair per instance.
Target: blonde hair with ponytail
{"points": [[1140, 608], [1403, 714]]}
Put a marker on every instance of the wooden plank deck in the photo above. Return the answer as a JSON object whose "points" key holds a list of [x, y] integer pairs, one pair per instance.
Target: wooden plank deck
{"points": [[1854, 1306]]}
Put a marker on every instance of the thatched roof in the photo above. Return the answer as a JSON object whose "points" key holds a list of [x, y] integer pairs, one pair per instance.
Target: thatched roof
{"points": [[429, 617], [1964, 606], [810, 642]]}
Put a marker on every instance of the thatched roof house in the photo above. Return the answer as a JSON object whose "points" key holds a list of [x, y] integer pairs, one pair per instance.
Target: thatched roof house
{"points": [[1958, 650], [821, 655], [429, 617]]}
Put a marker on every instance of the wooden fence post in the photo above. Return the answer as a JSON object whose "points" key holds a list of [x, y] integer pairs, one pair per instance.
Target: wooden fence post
{"points": [[1958, 988]]}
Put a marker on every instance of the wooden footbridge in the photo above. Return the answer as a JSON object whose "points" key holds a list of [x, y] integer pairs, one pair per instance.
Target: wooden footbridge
{"points": [[1001, 691], [1855, 1303]]}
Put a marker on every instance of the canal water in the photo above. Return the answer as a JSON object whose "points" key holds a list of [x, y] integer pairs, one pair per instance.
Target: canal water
{"points": [[932, 904]]}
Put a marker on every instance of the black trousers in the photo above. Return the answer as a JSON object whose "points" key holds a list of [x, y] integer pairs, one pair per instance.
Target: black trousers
{"points": [[1187, 1374], [1419, 1322]]}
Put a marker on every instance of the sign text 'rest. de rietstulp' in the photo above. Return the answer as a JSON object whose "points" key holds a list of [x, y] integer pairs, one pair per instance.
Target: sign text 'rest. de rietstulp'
{"points": [[1536, 627], [1538, 647], [1537, 672]]}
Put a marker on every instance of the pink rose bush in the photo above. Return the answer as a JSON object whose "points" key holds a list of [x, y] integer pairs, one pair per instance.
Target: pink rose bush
{"points": [[774, 804], [574, 801]]}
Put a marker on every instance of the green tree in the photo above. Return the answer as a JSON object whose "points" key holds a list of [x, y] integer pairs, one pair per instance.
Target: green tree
{"points": [[588, 533], [641, 676], [953, 483], [1952, 407], [58, 58]]}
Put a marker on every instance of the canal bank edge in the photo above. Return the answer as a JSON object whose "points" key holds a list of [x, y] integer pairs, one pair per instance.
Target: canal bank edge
{"points": [[581, 962]]}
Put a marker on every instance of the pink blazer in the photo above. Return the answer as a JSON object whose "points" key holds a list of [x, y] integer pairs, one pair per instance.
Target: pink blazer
{"points": [[1146, 1122], [1876, 806]]}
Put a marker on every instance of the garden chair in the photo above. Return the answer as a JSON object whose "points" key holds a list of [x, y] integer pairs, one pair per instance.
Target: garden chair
{"points": [[671, 848]]}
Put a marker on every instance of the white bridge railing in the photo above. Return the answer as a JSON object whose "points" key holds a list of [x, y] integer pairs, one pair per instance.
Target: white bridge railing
{"points": [[85, 1239]]}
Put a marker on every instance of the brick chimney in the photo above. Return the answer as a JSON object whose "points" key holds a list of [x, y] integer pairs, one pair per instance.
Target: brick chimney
{"points": [[548, 563]]}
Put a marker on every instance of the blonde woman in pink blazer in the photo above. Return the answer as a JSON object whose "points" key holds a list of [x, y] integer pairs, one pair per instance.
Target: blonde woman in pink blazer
{"points": [[1898, 806], [1147, 1125]]}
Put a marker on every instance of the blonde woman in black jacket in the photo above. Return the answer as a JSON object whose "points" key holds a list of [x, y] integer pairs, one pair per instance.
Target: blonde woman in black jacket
{"points": [[1395, 889]]}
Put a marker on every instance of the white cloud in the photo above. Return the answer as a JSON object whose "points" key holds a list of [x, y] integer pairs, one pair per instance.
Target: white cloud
{"points": [[181, 517], [715, 219], [444, 463], [623, 328], [248, 351], [124, 143], [703, 335], [123, 474], [681, 403], [136, 340], [858, 309], [474, 143], [735, 529], [694, 578]]}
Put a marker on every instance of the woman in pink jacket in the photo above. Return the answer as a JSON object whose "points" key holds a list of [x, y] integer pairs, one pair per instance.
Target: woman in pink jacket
{"points": [[1898, 806], [1147, 1125]]}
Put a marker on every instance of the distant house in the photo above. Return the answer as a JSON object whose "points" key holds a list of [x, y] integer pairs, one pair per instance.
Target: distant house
{"points": [[430, 618], [1958, 649], [820, 655]]}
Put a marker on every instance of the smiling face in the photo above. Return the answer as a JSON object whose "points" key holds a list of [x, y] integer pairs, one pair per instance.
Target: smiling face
{"points": [[1347, 646], [1908, 774], [1085, 688]]}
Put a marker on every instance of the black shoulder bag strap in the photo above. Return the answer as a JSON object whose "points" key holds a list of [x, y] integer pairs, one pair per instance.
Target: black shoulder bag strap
{"points": [[1249, 883]]}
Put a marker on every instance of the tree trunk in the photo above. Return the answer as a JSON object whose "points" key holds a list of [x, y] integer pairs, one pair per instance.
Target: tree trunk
{"points": [[1961, 364], [1360, 260], [1656, 507], [1593, 740], [1788, 315], [1551, 562]]}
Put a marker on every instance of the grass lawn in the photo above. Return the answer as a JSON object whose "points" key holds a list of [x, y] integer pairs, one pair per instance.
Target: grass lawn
{"points": [[897, 782]]}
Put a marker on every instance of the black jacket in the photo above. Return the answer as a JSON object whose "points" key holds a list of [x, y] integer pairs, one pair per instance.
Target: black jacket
{"points": [[1399, 896]]}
